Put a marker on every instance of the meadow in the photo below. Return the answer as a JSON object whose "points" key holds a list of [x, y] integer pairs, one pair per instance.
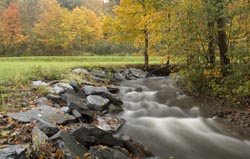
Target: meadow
{"points": [[11, 67]]}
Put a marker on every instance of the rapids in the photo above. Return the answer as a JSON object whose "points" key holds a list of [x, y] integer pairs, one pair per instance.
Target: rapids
{"points": [[169, 123]]}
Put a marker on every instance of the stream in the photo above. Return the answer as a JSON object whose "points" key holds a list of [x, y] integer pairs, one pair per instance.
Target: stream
{"points": [[170, 124]]}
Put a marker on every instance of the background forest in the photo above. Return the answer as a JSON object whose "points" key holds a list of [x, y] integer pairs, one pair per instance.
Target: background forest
{"points": [[212, 37]]}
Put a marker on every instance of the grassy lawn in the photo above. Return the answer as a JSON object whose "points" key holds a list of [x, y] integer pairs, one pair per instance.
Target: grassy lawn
{"points": [[12, 66]]}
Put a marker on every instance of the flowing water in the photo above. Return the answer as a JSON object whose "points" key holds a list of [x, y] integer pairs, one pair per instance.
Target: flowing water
{"points": [[169, 123]]}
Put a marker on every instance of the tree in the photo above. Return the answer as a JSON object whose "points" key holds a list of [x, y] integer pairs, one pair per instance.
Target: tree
{"points": [[53, 28], [136, 21], [85, 27], [11, 29]]}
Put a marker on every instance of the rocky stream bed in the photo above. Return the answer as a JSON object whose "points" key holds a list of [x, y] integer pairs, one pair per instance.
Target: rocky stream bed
{"points": [[80, 119]]}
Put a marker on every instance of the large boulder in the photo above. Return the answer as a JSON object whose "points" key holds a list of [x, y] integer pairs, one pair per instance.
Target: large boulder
{"points": [[70, 144], [91, 90], [97, 103], [99, 152], [91, 135], [44, 112], [138, 73]]}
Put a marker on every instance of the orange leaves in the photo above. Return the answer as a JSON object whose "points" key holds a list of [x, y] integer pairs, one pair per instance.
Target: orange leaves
{"points": [[11, 29]]}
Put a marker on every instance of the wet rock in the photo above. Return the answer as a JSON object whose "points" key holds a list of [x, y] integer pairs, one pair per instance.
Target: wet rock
{"points": [[91, 135], [39, 83], [98, 73], [12, 152], [48, 128], [137, 149], [91, 90], [99, 152], [113, 90], [76, 149], [138, 73], [138, 89], [80, 71], [47, 113], [114, 109], [118, 77], [54, 97], [38, 137], [97, 103], [113, 99], [111, 124]]}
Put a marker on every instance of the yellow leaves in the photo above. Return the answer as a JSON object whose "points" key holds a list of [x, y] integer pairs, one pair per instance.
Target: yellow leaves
{"points": [[3, 147], [59, 154]]}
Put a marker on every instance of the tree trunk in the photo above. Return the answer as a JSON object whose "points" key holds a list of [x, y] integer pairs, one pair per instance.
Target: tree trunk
{"points": [[211, 43], [146, 50], [222, 36]]}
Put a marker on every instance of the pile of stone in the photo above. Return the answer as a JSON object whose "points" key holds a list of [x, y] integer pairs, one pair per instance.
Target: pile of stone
{"points": [[87, 110]]}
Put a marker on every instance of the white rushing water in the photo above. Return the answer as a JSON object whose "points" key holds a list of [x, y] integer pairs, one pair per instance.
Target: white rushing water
{"points": [[169, 123]]}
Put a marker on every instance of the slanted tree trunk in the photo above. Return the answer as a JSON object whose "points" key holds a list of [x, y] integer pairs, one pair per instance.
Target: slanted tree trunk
{"points": [[146, 40]]}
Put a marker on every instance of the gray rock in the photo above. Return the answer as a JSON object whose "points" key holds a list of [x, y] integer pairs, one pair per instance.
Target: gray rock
{"points": [[39, 83], [65, 109], [76, 149], [47, 113], [114, 109], [77, 88], [60, 88], [12, 152], [98, 73], [113, 89], [41, 101], [97, 103], [91, 135], [91, 90], [54, 97], [76, 114], [48, 128], [106, 153], [80, 71], [87, 116], [118, 77], [138, 73], [38, 137], [74, 101], [111, 124], [85, 82], [155, 157]]}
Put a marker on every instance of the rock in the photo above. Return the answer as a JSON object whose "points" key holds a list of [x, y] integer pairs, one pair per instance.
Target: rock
{"points": [[80, 71], [77, 150], [77, 89], [99, 152], [72, 98], [41, 101], [76, 114], [137, 149], [98, 73], [111, 124], [60, 88], [87, 116], [155, 157], [91, 90], [54, 97], [38, 137], [118, 77], [113, 90], [114, 109], [81, 106], [97, 103], [47, 113], [12, 152], [48, 128], [138, 89], [39, 83], [138, 73], [91, 135], [65, 109], [85, 82]]}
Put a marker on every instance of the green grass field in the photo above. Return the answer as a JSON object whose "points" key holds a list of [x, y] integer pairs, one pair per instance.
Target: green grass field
{"points": [[12, 66]]}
